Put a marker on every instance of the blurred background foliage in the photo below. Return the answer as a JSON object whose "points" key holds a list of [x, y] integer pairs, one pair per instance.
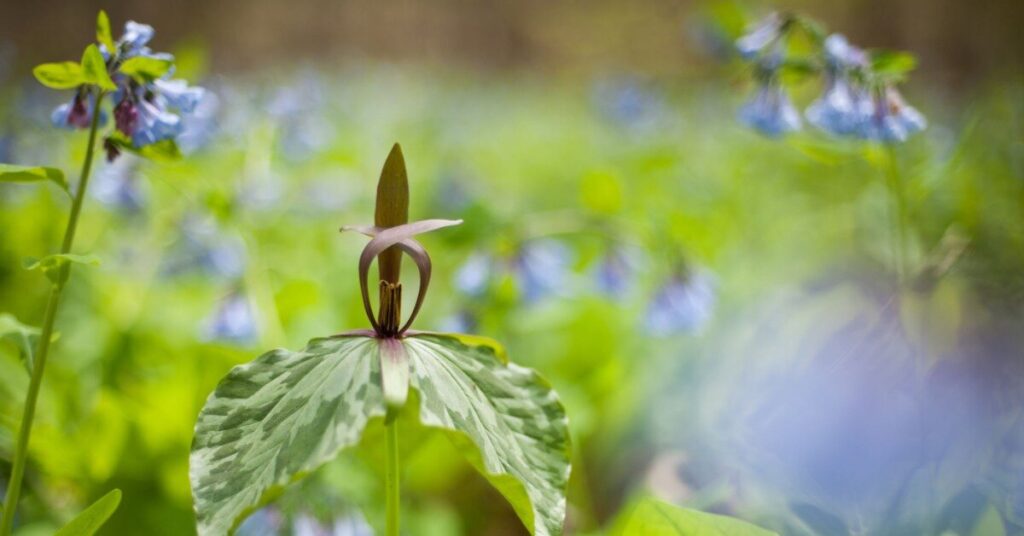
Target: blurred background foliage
{"points": [[718, 311]]}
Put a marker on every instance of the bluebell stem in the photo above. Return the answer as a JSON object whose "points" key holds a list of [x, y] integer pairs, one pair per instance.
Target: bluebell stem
{"points": [[233, 321], [682, 304]]}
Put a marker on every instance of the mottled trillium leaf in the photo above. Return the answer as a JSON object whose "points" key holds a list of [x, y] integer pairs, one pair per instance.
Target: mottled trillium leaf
{"points": [[13, 173], [287, 413], [145, 68], [651, 517], [276, 418], [50, 265], [94, 69], [103, 31], [504, 417], [61, 75], [92, 518]]}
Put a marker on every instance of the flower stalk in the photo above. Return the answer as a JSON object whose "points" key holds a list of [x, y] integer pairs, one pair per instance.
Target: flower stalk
{"points": [[50, 316]]}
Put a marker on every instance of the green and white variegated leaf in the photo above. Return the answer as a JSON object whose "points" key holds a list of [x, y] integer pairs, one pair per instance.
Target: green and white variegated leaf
{"points": [[276, 418], [512, 416], [287, 413]]}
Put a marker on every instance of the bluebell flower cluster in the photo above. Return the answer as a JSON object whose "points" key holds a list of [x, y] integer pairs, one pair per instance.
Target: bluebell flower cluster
{"points": [[147, 109], [684, 303], [857, 101], [234, 320], [540, 268]]}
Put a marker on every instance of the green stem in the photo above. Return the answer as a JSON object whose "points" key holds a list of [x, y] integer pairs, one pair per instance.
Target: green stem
{"points": [[391, 483], [899, 214], [50, 316]]}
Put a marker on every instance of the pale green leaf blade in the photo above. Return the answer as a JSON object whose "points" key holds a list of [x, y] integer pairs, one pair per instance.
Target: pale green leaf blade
{"points": [[103, 31], [13, 173], [92, 518], [23, 337], [274, 419], [50, 265], [146, 68], [652, 517], [94, 69], [62, 75], [505, 417]]}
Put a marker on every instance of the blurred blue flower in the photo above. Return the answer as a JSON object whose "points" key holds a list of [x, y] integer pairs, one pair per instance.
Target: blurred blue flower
{"points": [[615, 274], [760, 36], [153, 124], [200, 126], [474, 275], [135, 36], [178, 94], [627, 102], [116, 185], [266, 521], [683, 304], [354, 525], [770, 111], [843, 110], [203, 247], [542, 268], [233, 321], [461, 322], [892, 119]]}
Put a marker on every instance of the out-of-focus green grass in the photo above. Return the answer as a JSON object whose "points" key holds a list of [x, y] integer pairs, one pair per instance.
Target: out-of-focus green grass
{"points": [[796, 235]]}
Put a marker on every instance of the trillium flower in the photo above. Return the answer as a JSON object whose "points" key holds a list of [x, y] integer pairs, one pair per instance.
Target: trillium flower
{"points": [[761, 35], [770, 111], [683, 304]]}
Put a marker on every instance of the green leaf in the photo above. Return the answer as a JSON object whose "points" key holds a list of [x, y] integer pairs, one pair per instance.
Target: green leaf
{"points": [[892, 65], [280, 416], [13, 173], [286, 413], [92, 518], [23, 337], [103, 31], [94, 69], [51, 264], [63, 75], [508, 413], [144, 68], [652, 517]]}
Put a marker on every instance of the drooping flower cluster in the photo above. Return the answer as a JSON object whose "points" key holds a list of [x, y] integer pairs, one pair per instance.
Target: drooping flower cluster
{"points": [[860, 98], [147, 102]]}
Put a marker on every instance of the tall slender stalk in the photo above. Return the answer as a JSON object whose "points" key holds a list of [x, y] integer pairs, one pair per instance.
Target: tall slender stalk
{"points": [[39, 363], [899, 201], [391, 476]]}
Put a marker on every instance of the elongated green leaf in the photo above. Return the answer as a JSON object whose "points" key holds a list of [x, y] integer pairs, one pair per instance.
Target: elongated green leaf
{"points": [[103, 31], [506, 418], [62, 75], [145, 68], [280, 416], [23, 337], [13, 173], [92, 518], [94, 69], [51, 264], [652, 517]]}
